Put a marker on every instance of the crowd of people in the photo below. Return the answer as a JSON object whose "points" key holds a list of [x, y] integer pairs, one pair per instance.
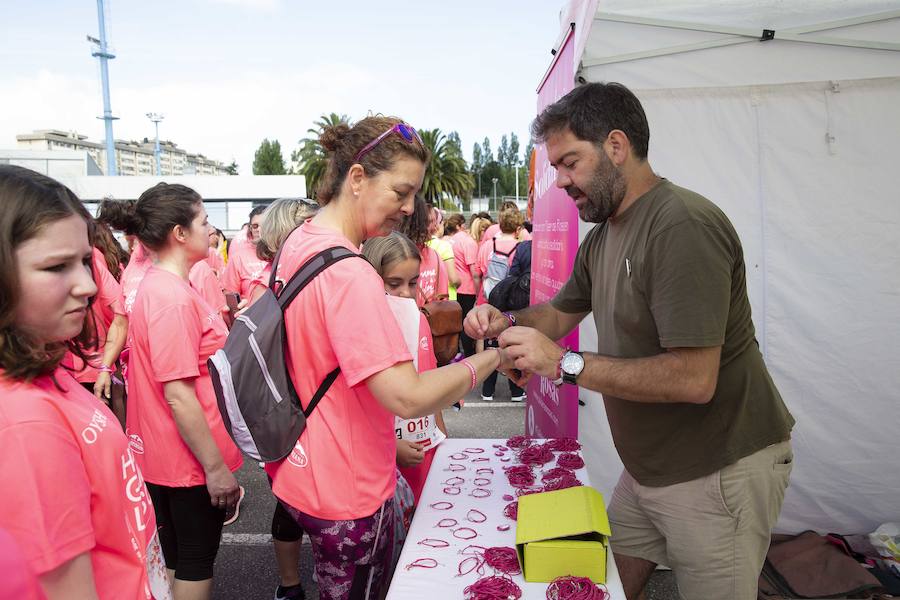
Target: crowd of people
{"points": [[124, 471]]}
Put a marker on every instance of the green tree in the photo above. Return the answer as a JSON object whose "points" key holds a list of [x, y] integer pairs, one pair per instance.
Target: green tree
{"points": [[512, 155], [268, 159], [477, 157], [447, 176], [487, 154], [454, 143], [503, 151], [232, 169], [309, 159], [528, 150]]}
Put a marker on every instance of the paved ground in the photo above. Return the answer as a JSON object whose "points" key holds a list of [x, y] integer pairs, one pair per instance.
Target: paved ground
{"points": [[245, 567]]}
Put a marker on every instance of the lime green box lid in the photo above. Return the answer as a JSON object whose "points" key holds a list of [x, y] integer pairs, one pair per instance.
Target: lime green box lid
{"points": [[561, 525]]}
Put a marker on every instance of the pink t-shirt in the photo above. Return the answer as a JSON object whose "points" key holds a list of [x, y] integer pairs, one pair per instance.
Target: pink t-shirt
{"points": [[489, 233], [433, 280], [107, 304], [343, 465], [71, 486], [465, 253], [172, 332], [494, 229], [243, 268], [504, 244], [133, 275], [204, 280], [18, 580], [261, 281], [415, 476], [216, 262]]}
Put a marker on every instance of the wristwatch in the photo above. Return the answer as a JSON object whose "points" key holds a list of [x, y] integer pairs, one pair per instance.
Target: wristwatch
{"points": [[570, 366]]}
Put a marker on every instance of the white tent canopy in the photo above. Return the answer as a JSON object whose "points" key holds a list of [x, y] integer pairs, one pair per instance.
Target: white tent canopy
{"points": [[798, 140]]}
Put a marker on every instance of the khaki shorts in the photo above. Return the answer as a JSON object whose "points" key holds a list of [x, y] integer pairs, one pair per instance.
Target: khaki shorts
{"points": [[713, 531]]}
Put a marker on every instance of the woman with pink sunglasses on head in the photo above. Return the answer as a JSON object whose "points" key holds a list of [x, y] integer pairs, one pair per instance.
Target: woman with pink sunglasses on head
{"points": [[338, 482]]}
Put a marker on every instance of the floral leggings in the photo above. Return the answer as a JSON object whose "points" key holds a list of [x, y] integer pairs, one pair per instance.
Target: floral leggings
{"points": [[353, 557]]}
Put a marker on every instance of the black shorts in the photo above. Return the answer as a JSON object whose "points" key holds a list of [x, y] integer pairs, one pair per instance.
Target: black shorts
{"points": [[284, 527], [190, 529]]}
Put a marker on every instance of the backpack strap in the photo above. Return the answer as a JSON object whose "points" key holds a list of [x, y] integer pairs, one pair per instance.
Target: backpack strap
{"points": [[294, 286], [276, 260], [308, 272], [511, 250], [320, 393]]}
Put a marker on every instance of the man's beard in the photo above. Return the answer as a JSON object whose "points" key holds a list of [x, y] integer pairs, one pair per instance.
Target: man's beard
{"points": [[604, 192]]}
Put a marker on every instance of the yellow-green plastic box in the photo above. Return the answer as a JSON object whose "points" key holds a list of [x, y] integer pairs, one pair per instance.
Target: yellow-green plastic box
{"points": [[565, 532]]}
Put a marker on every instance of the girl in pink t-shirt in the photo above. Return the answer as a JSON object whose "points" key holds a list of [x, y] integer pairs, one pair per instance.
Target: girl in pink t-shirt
{"points": [[396, 259], [338, 482], [174, 425], [73, 499], [465, 252], [433, 277]]}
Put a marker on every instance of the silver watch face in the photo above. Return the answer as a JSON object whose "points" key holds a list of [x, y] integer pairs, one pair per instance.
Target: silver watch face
{"points": [[572, 363]]}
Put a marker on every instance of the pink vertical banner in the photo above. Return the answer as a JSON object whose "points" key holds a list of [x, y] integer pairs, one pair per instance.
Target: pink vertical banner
{"points": [[553, 411]]}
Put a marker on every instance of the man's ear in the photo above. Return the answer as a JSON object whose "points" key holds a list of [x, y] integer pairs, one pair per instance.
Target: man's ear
{"points": [[618, 147]]}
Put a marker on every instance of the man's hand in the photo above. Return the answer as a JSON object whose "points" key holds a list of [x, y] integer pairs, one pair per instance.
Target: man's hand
{"points": [[531, 351], [409, 454], [485, 322]]}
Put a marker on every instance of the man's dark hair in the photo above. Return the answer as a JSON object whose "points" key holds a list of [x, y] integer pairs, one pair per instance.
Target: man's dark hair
{"points": [[258, 210], [591, 111]]}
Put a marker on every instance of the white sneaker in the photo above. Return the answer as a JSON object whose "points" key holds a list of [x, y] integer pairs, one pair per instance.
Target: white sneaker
{"points": [[518, 398], [487, 398]]}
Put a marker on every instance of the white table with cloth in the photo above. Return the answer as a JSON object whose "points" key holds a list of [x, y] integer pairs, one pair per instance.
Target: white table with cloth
{"points": [[443, 580]]}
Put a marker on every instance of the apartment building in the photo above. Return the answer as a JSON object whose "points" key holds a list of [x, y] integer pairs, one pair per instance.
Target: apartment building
{"points": [[132, 157]]}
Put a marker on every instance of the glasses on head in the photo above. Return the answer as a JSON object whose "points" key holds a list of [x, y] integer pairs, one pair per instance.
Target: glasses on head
{"points": [[407, 132]]}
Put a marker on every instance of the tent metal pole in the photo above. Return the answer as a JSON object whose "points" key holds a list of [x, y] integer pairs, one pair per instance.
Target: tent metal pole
{"points": [[741, 36]]}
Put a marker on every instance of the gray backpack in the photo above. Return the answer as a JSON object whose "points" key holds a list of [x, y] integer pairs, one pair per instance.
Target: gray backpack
{"points": [[256, 396], [497, 267]]}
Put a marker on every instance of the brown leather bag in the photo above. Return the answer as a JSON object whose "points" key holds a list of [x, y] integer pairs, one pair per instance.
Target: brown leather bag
{"points": [[445, 319]]}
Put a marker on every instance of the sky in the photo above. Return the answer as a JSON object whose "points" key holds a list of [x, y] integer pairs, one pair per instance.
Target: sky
{"points": [[228, 73]]}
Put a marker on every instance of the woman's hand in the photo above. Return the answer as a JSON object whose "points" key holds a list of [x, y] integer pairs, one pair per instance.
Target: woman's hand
{"points": [[409, 454], [103, 386], [223, 487]]}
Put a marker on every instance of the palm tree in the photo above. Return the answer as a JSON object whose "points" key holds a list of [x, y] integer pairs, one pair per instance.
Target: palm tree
{"points": [[447, 176], [309, 159]]}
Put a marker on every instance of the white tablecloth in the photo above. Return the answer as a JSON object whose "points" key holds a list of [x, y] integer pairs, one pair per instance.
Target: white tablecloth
{"points": [[442, 581]]}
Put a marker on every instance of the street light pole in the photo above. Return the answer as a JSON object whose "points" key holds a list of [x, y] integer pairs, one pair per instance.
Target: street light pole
{"points": [[156, 118], [494, 180], [517, 184], [103, 53]]}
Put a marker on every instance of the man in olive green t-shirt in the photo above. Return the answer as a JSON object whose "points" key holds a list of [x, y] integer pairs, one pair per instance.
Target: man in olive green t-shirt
{"points": [[697, 420]]}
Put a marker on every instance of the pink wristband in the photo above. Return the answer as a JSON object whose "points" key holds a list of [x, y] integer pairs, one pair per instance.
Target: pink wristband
{"points": [[106, 369], [472, 372]]}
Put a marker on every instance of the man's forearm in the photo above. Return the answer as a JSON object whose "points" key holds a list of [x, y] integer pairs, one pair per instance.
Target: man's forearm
{"points": [[664, 378], [547, 320]]}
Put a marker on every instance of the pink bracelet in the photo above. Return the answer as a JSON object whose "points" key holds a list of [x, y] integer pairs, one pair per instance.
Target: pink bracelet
{"points": [[472, 372], [106, 369]]}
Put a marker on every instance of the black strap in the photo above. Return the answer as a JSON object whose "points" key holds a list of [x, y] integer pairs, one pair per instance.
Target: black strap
{"points": [[277, 259], [294, 286], [511, 250], [308, 272], [320, 393]]}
